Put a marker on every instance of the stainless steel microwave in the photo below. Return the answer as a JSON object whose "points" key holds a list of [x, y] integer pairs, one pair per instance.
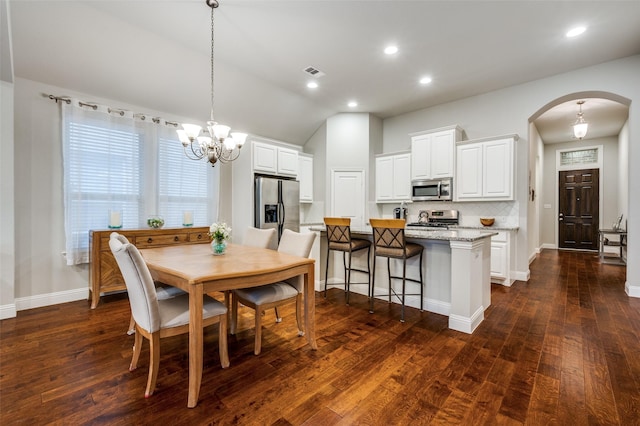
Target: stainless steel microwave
{"points": [[432, 190]]}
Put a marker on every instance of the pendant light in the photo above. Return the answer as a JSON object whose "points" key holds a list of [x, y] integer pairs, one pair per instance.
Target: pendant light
{"points": [[580, 126], [215, 143]]}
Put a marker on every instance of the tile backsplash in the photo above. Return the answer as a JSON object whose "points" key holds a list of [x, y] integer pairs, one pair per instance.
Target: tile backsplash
{"points": [[506, 213]]}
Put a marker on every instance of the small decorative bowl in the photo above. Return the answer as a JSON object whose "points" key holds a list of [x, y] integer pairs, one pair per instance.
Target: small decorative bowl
{"points": [[487, 221], [155, 222]]}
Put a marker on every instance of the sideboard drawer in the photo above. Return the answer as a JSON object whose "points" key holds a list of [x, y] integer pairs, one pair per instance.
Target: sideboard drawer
{"points": [[198, 237], [144, 241]]}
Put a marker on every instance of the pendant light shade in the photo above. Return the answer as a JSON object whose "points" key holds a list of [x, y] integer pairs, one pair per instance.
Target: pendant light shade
{"points": [[580, 127]]}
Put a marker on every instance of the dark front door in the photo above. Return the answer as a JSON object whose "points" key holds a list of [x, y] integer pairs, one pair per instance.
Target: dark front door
{"points": [[578, 209]]}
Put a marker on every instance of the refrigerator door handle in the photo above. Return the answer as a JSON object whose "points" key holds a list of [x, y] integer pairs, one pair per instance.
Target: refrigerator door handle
{"points": [[282, 213]]}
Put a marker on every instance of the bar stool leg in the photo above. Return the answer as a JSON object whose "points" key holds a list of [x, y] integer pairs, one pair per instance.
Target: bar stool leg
{"points": [[404, 275], [326, 271], [421, 285], [369, 271], [373, 283], [389, 275], [348, 283]]}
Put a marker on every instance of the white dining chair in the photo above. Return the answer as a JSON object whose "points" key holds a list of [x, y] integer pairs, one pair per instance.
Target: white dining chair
{"points": [[277, 294], [163, 291], [156, 319]]}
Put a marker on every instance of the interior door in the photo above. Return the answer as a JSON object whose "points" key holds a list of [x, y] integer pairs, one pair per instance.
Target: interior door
{"points": [[578, 212], [347, 195]]}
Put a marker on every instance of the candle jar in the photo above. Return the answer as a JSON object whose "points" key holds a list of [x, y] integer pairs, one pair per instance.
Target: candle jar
{"points": [[187, 218], [115, 219]]}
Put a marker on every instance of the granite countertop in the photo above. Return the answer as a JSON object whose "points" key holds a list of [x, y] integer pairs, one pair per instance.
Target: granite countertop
{"points": [[448, 235], [486, 228]]}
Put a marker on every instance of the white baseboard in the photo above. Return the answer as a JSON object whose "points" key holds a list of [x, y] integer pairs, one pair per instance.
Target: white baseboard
{"points": [[521, 275], [464, 324], [548, 246], [40, 300], [631, 290], [8, 311]]}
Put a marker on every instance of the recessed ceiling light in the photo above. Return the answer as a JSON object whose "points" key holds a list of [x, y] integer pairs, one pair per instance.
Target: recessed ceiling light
{"points": [[312, 85], [425, 80], [352, 104], [391, 50], [576, 31]]}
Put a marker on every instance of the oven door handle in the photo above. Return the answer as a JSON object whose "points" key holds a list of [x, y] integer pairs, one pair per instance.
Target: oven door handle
{"points": [[439, 190]]}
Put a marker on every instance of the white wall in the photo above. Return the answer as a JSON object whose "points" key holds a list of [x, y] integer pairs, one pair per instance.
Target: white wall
{"points": [[347, 147], [314, 213], [623, 172], [508, 111], [42, 276], [7, 203]]}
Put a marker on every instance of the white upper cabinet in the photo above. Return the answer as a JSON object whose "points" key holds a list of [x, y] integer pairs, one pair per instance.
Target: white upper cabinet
{"points": [[485, 169], [275, 160], [433, 153], [393, 178], [305, 176]]}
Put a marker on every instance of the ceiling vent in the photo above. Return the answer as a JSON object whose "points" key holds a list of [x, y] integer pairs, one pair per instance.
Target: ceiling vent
{"points": [[314, 72]]}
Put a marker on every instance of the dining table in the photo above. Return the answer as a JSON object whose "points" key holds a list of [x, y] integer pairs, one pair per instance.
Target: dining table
{"points": [[196, 270]]}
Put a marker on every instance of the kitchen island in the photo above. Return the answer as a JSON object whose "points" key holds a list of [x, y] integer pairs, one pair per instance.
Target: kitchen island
{"points": [[456, 271]]}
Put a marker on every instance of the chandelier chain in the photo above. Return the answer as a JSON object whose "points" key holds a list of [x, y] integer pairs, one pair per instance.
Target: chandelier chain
{"points": [[211, 64]]}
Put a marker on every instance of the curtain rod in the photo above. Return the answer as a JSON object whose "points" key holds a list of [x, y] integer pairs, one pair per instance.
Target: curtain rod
{"points": [[118, 111]]}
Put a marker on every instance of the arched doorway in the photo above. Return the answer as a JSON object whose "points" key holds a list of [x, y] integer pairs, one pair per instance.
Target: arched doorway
{"points": [[552, 142]]}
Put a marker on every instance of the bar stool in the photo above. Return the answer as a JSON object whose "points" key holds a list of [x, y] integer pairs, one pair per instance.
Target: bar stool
{"points": [[339, 239], [389, 242]]}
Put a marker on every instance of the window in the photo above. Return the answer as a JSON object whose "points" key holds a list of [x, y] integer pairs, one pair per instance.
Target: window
{"points": [[116, 161], [183, 184]]}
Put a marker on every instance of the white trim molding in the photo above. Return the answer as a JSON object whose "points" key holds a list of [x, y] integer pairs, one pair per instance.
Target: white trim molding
{"points": [[8, 311], [48, 299]]}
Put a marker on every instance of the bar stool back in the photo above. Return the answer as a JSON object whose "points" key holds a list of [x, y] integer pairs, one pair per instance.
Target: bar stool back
{"points": [[339, 239], [389, 241]]}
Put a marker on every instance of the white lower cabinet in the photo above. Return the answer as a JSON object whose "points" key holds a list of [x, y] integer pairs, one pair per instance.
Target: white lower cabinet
{"points": [[501, 258]]}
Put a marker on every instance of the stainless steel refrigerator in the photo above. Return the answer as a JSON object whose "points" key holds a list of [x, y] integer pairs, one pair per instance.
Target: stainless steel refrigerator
{"points": [[277, 204]]}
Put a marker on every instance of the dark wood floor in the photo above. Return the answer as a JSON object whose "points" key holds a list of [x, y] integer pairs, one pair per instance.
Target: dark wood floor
{"points": [[562, 349]]}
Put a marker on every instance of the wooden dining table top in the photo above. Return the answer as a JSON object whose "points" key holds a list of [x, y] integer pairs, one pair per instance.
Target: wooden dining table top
{"points": [[196, 264]]}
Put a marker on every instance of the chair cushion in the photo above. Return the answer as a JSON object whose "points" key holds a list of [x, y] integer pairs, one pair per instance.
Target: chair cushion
{"points": [[356, 245], [175, 311], [167, 292], [267, 293], [412, 250]]}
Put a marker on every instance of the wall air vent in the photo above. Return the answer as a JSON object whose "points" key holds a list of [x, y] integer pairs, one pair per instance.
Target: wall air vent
{"points": [[314, 72]]}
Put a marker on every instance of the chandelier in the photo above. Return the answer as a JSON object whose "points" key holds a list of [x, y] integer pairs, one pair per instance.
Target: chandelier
{"points": [[215, 143], [580, 126]]}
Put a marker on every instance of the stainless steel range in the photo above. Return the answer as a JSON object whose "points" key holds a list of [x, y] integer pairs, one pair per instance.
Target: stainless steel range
{"points": [[435, 219]]}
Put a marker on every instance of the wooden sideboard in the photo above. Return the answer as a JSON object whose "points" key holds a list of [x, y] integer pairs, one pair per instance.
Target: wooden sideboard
{"points": [[104, 273]]}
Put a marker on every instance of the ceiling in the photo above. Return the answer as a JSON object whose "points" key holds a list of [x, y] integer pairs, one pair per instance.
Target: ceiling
{"points": [[155, 54]]}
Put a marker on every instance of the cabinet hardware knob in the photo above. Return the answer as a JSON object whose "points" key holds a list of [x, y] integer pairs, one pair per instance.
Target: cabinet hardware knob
{"points": [[176, 238], [150, 240], [199, 236]]}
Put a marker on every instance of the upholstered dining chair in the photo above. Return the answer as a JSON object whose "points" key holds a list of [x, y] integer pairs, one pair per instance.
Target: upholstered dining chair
{"points": [[156, 319], [339, 239], [389, 242], [263, 238], [163, 291], [277, 294]]}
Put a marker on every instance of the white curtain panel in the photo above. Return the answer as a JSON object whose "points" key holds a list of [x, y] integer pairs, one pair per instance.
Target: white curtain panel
{"points": [[118, 161]]}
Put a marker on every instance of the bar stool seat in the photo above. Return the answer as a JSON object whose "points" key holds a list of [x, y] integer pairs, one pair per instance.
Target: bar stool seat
{"points": [[389, 241], [339, 239]]}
